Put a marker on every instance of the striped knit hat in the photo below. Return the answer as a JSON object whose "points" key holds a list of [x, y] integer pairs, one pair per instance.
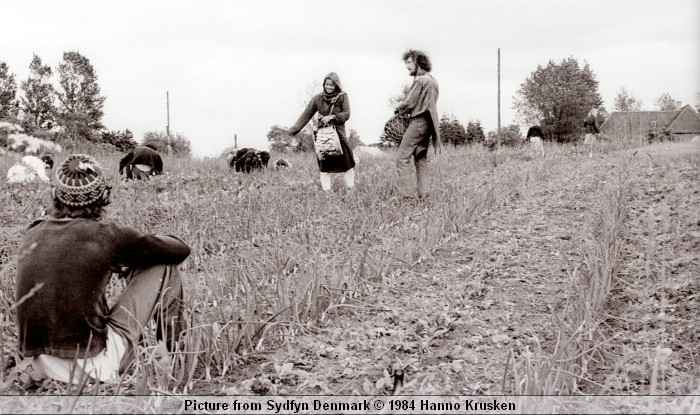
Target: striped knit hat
{"points": [[79, 180]]}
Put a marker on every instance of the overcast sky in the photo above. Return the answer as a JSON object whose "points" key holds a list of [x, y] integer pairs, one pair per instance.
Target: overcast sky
{"points": [[240, 67]]}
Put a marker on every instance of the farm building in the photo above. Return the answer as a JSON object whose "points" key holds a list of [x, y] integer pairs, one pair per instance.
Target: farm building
{"points": [[683, 123]]}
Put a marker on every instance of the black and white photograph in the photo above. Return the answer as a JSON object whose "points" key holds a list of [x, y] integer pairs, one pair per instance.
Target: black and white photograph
{"points": [[457, 206]]}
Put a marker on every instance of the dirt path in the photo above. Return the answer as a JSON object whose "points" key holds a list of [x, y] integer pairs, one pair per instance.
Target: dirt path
{"points": [[450, 320], [491, 288], [654, 307]]}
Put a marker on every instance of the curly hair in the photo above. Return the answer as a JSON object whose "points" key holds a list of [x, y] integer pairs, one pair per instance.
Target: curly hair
{"points": [[420, 58], [93, 211]]}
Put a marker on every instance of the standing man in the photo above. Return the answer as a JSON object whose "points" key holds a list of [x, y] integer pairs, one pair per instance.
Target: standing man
{"points": [[421, 106]]}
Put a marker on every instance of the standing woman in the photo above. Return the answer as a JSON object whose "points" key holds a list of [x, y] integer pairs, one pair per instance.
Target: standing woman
{"points": [[591, 129], [331, 97]]}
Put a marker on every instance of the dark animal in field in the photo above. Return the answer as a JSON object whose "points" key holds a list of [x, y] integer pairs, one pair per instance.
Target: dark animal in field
{"points": [[141, 163], [282, 164], [248, 159]]}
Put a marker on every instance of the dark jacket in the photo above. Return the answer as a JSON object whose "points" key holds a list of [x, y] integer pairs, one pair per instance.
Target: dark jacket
{"points": [[534, 131], [249, 159], [68, 263], [341, 111], [322, 104], [141, 155], [590, 125]]}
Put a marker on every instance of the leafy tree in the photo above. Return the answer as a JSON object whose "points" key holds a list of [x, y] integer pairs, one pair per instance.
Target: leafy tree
{"points": [[452, 131], [8, 91], [179, 144], [386, 142], [475, 132], [280, 140], [37, 104], [666, 103], [76, 125], [510, 135], [559, 96], [311, 90], [395, 99], [122, 140], [303, 142], [624, 101], [697, 100], [354, 138], [80, 109]]}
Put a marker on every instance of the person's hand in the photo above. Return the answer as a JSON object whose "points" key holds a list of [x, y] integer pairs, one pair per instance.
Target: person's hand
{"points": [[326, 119]]}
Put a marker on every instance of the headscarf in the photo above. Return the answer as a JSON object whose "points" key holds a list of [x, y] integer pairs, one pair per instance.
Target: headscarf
{"points": [[338, 87]]}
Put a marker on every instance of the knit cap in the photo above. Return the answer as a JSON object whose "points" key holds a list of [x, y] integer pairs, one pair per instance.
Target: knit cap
{"points": [[79, 180]]}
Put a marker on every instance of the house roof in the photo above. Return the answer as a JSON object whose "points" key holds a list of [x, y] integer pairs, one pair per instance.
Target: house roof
{"points": [[687, 121], [684, 120]]}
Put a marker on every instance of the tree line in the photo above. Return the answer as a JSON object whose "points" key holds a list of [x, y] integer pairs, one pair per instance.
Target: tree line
{"points": [[556, 96], [70, 108]]}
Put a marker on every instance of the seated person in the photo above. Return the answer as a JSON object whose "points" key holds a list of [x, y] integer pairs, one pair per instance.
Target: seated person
{"points": [[63, 269]]}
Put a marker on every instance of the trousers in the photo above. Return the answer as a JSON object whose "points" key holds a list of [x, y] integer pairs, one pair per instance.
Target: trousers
{"points": [[154, 292], [414, 145], [151, 293]]}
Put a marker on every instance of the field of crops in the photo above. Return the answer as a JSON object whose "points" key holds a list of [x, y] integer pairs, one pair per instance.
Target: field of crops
{"points": [[523, 273]]}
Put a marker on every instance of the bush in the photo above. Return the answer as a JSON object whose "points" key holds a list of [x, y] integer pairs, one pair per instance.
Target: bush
{"points": [[27, 144], [179, 144], [661, 135], [122, 140], [7, 128]]}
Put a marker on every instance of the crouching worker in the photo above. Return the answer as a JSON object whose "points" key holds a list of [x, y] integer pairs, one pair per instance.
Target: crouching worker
{"points": [[64, 266], [141, 163]]}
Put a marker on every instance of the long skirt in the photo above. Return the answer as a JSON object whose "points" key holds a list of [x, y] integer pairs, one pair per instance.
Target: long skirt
{"points": [[338, 164]]}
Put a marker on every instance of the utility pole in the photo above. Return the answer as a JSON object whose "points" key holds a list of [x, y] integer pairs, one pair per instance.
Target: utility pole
{"points": [[167, 127], [498, 132], [235, 141]]}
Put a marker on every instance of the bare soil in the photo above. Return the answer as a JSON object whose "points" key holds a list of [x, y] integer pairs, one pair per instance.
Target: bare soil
{"points": [[448, 322]]}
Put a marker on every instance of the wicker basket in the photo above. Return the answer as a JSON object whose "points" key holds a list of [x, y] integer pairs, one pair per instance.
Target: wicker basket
{"points": [[396, 127]]}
